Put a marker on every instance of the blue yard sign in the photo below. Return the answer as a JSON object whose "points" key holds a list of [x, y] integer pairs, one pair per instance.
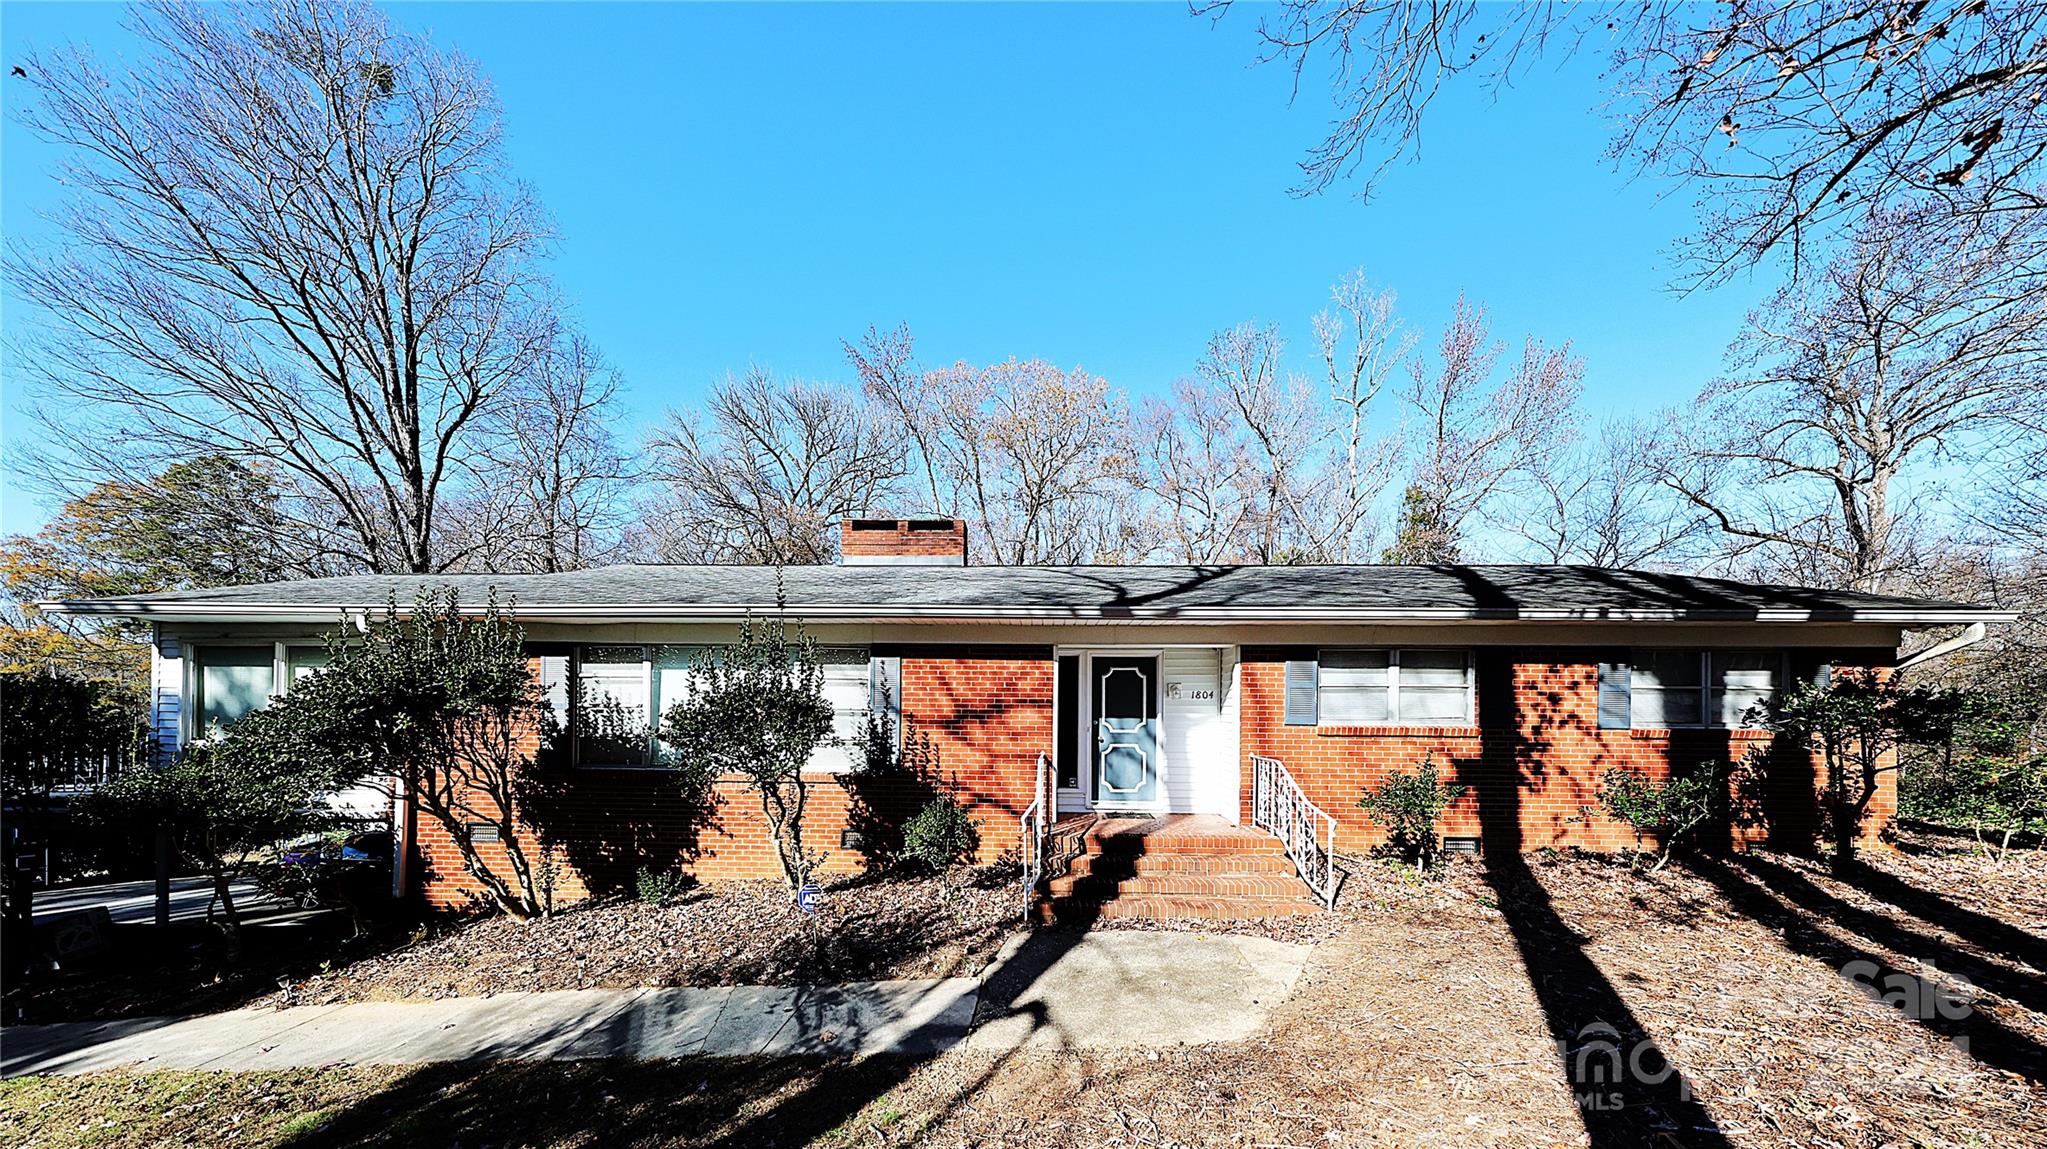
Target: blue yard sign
{"points": [[806, 898]]}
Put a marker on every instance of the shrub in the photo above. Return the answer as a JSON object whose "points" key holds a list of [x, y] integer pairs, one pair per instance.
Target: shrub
{"points": [[940, 837], [1409, 806], [1971, 765], [1670, 811], [1855, 721], [658, 887], [757, 709], [222, 811], [441, 699]]}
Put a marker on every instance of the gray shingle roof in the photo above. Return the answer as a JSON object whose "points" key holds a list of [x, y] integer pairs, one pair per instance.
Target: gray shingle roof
{"points": [[1192, 593]]}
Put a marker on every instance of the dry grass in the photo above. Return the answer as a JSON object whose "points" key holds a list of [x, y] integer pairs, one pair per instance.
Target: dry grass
{"points": [[1430, 1019]]}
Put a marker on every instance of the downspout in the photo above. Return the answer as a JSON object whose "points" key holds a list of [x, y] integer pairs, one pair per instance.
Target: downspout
{"points": [[1970, 636]]}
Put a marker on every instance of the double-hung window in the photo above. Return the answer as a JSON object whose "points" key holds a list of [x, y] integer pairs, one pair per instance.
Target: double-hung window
{"points": [[620, 693], [1412, 686], [1716, 688], [614, 706]]}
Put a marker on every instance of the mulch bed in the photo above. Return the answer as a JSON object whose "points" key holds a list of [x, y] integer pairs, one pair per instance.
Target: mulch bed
{"points": [[726, 933]]}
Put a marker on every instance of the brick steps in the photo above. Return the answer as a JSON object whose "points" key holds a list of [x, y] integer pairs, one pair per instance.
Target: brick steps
{"points": [[1106, 887], [1178, 866], [1125, 865], [1071, 911]]}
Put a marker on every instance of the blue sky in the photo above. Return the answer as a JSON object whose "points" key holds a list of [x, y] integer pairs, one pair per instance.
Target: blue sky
{"points": [[1101, 186]]}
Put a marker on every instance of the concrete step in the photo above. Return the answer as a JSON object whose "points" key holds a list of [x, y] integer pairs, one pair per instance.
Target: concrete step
{"points": [[1103, 887], [1078, 911], [1129, 865]]}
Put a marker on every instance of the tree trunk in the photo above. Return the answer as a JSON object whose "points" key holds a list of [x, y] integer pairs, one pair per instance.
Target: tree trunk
{"points": [[231, 927]]}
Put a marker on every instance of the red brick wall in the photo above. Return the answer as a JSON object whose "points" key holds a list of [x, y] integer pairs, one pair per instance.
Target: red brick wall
{"points": [[1532, 772], [987, 713]]}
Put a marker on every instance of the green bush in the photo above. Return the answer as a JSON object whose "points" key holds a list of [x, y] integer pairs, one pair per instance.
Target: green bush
{"points": [[1409, 806], [1966, 763], [941, 836], [658, 887], [1670, 811], [223, 811]]}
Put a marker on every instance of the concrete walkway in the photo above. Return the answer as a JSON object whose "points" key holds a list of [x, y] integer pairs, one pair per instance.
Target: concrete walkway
{"points": [[1049, 989]]}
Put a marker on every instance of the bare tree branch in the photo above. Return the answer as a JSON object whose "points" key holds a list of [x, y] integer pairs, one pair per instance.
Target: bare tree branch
{"points": [[295, 240]]}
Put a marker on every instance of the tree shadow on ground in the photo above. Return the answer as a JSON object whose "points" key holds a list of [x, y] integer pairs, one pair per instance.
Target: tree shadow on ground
{"points": [[597, 1102], [721, 1102], [1971, 925], [184, 968], [1802, 914], [1628, 1092], [1798, 890]]}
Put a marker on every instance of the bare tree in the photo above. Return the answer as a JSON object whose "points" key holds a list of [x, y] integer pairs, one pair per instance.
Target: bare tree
{"points": [[1364, 344], [1194, 470], [295, 239], [556, 482], [1793, 115], [1034, 457], [1600, 503], [1917, 340], [1474, 436], [764, 472], [1293, 516]]}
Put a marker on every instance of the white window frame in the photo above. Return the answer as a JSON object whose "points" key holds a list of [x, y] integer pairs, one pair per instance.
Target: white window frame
{"points": [[1393, 716], [1707, 714], [192, 723], [647, 680]]}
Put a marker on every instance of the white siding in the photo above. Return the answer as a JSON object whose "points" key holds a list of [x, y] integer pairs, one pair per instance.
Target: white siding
{"points": [[167, 689], [1200, 731]]}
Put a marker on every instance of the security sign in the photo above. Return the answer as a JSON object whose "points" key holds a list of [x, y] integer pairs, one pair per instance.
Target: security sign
{"points": [[806, 898]]}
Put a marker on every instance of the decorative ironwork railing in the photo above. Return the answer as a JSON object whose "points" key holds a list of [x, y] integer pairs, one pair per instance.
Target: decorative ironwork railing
{"points": [[1035, 831], [1280, 808]]}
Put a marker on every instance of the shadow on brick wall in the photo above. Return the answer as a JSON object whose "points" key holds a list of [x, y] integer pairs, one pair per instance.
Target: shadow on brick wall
{"points": [[608, 825]]}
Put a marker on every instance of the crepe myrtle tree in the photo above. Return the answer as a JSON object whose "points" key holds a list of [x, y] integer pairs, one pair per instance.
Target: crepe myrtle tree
{"points": [[224, 806], [439, 705], [757, 710]]}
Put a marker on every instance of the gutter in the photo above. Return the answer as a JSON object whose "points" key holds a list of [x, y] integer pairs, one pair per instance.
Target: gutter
{"points": [[1970, 637], [883, 612]]}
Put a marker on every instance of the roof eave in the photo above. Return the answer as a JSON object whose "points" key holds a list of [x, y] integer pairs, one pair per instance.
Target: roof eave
{"points": [[192, 612]]}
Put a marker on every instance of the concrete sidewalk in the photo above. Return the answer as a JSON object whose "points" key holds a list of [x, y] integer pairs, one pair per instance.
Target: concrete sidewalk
{"points": [[1052, 988]]}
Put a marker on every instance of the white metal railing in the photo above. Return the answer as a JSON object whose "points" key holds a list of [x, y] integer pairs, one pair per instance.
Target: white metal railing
{"points": [[1280, 808], [1035, 828]]}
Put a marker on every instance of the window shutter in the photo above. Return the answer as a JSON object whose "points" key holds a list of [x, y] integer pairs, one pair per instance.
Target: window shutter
{"points": [[554, 684], [1300, 692], [1615, 700], [885, 690]]}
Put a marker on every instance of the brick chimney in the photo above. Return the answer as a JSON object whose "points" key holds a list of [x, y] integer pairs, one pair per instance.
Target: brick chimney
{"points": [[903, 542]]}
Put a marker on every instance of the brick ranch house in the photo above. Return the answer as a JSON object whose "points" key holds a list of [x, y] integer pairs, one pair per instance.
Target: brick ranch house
{"points": [[1236, 712]]}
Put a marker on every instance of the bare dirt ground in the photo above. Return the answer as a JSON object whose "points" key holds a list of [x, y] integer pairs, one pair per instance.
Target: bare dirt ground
{"points": [[1753, 1001]]}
